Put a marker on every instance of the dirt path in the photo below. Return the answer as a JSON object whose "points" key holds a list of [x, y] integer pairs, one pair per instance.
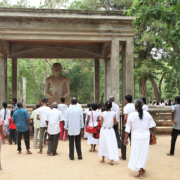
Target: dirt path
{"points": [[43, 167]]}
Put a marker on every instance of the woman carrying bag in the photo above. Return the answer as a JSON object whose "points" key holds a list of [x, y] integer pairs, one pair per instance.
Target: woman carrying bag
{"points": [[108, 147], [92, 122]]}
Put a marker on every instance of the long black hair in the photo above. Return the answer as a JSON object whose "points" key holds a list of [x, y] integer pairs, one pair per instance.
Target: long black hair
{"points": [[138, 105], [5, 107], [169, 103]]}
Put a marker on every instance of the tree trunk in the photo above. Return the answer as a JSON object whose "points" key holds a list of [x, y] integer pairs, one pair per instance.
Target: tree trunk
{"points": [[142, 87], [157, 94], [157, 90], [60, 3], [53, 4]]}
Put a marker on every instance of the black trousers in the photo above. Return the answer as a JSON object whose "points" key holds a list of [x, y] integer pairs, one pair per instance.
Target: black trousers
{"points": [[26, 140], [78, 146], [117, 135], [12, 135], [53, 143], [123, 147], [174, 134]]}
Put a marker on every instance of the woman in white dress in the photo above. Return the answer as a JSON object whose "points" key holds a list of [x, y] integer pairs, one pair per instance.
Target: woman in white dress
{"points": [[144, 107], [139, 123], [107, 142], [92, 121]]}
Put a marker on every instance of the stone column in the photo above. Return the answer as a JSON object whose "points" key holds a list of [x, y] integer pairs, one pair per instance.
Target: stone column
{"points": [[96, 81], [14, 78], [115, 69], [3, 80], [107, 78], [128, 69]]}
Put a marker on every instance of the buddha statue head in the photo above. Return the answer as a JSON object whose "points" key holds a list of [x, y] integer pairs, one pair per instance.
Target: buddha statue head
{"points": [[56, 69]]}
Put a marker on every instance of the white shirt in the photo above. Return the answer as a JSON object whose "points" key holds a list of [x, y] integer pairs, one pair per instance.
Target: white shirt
{"points": [[54, 117], [116, 109], [63, 108], [95, 118], [36, 122], [162, 104], [145, 107], [2, 113], [108, 117], [74, 120], [139, 127], [128, 109], [42, 112]]}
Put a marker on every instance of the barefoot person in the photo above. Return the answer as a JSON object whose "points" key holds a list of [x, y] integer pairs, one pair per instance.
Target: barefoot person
{"points": [[92, 121], [139, 123], [176, 124], [2, 140], [62, 107], [21, 120], [36, 125], [108, 147], [53, 119], [41, 115], [74, 123], [128, 109]]}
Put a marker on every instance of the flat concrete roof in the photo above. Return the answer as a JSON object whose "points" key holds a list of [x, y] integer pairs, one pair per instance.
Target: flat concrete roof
{"points": [[62, 14]]}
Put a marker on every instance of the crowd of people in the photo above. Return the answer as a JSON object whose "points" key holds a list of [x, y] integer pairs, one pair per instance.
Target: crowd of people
{"points": [[100, 128], [161, 103]]}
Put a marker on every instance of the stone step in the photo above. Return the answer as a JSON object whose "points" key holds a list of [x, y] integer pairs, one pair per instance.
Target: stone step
{"points": [[163, 130], [164, 123]]}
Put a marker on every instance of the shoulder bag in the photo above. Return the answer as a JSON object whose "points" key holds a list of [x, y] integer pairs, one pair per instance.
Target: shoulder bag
{"points": [[90, 129]]}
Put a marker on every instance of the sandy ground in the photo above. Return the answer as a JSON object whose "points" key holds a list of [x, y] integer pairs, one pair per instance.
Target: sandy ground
{"points": [[43, 167]]}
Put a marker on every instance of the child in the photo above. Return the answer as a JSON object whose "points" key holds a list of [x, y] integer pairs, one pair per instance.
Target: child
{"points": [[12, 129], [1, 137]]}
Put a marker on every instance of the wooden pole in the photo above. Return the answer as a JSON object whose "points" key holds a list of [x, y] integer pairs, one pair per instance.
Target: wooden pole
{"points": [[24, 93]]}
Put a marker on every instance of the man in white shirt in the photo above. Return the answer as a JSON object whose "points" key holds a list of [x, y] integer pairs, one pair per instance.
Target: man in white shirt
{"points": [[128, 109], [62, 107], [41, 115], [74, 123], [36, 124], [53, 119], [116, 109]]}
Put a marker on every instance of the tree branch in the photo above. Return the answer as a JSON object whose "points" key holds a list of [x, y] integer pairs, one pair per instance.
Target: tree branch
{"points": [[60, 3]]}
